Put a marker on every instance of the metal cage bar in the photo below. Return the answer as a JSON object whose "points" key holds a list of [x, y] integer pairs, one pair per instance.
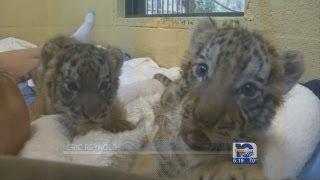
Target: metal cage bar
{"points": [[162, 6], [151, 6], [172, 8]]}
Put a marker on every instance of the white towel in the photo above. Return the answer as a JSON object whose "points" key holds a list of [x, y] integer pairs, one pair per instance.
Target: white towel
{"points": [[296, 128]]}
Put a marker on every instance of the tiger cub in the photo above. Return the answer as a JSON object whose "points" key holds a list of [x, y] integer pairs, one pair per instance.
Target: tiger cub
{"points": [[80, 81], [232, 82]]}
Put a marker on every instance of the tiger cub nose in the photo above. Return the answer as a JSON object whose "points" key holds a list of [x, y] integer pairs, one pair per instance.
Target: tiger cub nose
{"points": [[91, 111]]}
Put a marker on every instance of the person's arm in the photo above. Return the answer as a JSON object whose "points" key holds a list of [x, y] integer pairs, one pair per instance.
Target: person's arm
{"points": [[14, 117], [20, 62]]}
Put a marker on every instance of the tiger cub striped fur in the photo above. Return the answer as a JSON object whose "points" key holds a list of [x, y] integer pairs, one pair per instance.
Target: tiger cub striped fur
{"points": [[232, 82], [168, 95], [163, 79], [80, 81]]}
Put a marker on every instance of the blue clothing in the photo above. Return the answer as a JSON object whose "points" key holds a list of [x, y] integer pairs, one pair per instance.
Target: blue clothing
{"points": [[312, 169], [28, 93]]}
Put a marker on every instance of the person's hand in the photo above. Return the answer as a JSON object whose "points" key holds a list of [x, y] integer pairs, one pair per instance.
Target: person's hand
{"points": [[20, 62], [14, 117]]}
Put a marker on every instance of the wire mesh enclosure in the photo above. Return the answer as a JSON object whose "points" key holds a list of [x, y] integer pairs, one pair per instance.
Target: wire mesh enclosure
{"points": [[164, 8]]}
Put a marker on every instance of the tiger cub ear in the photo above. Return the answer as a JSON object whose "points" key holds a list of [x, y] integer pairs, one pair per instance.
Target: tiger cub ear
{"points": [[56, 46], [115, 56], [200, 35], [293, 68]]}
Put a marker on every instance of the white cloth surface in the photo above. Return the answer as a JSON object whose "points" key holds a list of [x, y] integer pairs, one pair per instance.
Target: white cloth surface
{"points": [[11, 43], [141, 69]]}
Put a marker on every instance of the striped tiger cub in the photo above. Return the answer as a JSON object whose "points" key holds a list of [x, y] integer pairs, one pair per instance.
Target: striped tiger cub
{"points": [[80, 81], [232, 83]]}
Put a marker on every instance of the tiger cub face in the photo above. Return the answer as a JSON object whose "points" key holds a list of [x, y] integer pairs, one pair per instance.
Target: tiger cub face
{"points": [[82, 81], [234, 81]]}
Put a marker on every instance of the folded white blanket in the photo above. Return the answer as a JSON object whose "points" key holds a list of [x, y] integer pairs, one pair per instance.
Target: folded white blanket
{"points": [[10, 43], [296, 128], [141, 69]]}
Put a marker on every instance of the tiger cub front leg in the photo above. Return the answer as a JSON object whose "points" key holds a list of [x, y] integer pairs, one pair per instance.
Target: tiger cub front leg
{"points": [[229, 171], [117, 120]]}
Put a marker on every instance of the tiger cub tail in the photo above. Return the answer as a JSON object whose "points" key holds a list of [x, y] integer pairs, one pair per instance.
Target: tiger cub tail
{"points": [[163, 79]]}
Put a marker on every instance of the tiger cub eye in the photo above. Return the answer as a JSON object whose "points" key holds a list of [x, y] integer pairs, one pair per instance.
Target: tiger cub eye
{"points": [[72, 86], [202, 69], [103, 86], [248, 90]]}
